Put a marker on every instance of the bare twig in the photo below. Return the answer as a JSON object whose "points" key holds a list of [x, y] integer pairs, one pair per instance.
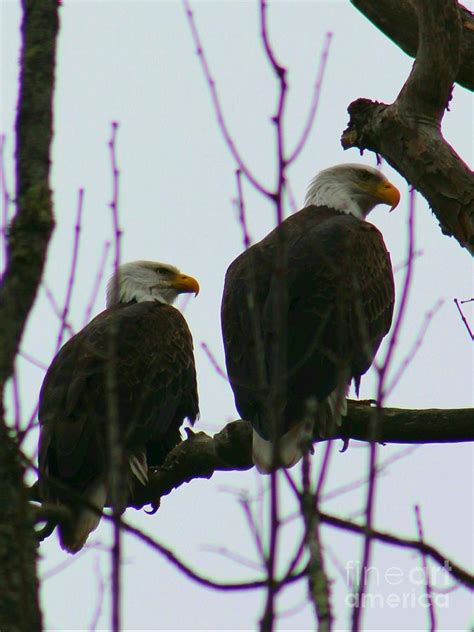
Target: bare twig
{"points": [[463, 318], [241, 210], [5, 201], [233, 556], [459, 573], [200, 579], [72, 272], [56, 309], [213, 360], [101, 586], [382, 372], [16, 400], [217, 104], [253, 527], [323, 59], [429, 595], [32, 360], [415, 347], [97, 282], [319, 588], [115, 474]]}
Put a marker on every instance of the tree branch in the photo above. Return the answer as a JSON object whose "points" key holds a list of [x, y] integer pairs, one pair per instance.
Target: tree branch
{"points": [[455, 571], [230, 449], [27, 244], [397, 20], [407, 133]]}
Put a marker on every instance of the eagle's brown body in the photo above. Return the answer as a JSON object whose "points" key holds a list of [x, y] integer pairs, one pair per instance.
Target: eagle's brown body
{"points": [[340, 297], [156, 391]]}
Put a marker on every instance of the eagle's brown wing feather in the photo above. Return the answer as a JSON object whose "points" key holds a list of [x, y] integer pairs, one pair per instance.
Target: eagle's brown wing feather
{"points": [[156, 390], [340, 303]]}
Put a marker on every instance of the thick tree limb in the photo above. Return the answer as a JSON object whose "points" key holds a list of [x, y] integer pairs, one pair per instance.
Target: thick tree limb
{"points": [[28, 240], [397, 20], [230, 449], [32, 226], [407, 133]]}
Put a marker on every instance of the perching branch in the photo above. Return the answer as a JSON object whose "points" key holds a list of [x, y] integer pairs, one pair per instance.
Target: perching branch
{"points": [[230, 449], [397, 20], [407, 133]]}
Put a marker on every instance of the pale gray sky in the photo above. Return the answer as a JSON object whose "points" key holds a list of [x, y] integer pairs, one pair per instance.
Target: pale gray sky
{"points": [[134, 62]]}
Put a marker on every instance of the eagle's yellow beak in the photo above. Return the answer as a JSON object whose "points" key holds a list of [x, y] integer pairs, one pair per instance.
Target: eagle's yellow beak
{"points": [[387, 193], [185, 284]]}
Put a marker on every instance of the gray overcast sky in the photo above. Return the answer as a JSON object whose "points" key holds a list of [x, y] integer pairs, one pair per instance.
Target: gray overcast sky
{"points": [[134, 62]]}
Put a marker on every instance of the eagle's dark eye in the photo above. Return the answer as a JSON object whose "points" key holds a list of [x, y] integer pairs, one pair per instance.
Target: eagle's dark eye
{"points": [[364, 175], [162, 270]]}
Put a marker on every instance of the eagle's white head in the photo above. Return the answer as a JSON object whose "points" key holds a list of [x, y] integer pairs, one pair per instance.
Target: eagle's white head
{"points": [[352, 188], [148, 281]]}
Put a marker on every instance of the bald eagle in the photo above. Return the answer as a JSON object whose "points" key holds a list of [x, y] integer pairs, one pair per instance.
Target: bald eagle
{"points": [[156, 391], [339, 291]]}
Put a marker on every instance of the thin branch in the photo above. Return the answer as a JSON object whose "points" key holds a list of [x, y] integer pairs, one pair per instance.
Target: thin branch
{"points": [[5, 201], [463, 318], [213, 360], [197, 577], [217, 104], [32, 360], [460, 574], [253, 527], [319, 588], [16, 401], [97, 282], [429, 595], [234, 557], [382, 369], [318, 84], [101, 586], [241, 210], [73, 269], [56, 309], [115, 480], [382, 372]]}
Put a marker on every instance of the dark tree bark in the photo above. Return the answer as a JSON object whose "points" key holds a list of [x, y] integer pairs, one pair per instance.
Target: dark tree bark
{"points": [[230, 449], [28, 240], [19, 599], [397, 20], [408, 134]]}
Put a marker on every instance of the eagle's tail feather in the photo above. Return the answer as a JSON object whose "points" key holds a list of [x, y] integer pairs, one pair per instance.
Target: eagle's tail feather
{"points": [[288, 452], [139, 467], [74, 533], [292, 445]]}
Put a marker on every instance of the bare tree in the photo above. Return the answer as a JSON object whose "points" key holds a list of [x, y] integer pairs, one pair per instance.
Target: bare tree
{"points": [[408, 135]]}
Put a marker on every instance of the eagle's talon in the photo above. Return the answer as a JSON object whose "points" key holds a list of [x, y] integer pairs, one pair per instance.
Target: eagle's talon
{"points": [[345, 444], [154, 508]]}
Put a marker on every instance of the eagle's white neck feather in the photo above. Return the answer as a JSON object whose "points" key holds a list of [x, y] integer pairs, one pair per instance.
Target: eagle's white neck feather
{"points": [[140, 281], [334, 195], [130, 290], [339, 188]]}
